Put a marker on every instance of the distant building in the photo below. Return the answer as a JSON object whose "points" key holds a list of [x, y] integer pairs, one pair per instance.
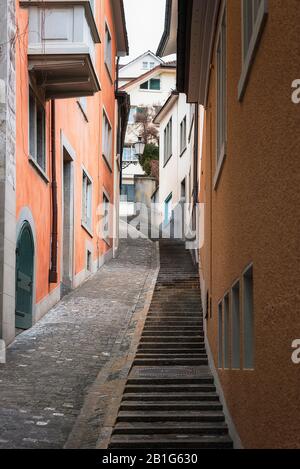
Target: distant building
{"points": [[148, 90], [138, 67]]}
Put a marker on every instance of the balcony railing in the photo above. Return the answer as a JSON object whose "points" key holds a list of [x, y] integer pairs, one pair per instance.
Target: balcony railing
{"points": [[61, 47]]}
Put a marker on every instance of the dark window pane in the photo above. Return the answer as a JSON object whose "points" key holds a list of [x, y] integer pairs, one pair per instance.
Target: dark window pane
{"points": [[40, 137], [144, 86], [154, 84], [32, 129]]}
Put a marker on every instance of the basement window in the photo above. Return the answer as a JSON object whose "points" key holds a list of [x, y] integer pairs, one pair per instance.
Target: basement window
{"points": [[254, 15], [226, 332], [220, 335], [89, 261], [37, 139], [248, 319], [235, 333]]}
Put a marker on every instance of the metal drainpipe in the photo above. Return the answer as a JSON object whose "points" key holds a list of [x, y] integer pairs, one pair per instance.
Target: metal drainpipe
{"points": [[119, 122], [53, 267]]}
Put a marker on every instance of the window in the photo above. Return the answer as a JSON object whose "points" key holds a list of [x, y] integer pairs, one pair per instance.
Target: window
{"points": [[235, 314], [37, 131], [168, 209], [82, 101], [183, 135], [182, 189], [128, 192], [132, 115], [86, 201], [106, 139], [108, 50], [105, 218], [129, 154], [220, 335], [254, 15], [151, 65], [152, 84], [168, 142], [92, 2], [221, 90], [226, 332], [248, 319], [145, 65]]}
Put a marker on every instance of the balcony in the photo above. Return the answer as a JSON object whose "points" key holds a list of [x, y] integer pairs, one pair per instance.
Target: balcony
{"points": [[61, 47]]}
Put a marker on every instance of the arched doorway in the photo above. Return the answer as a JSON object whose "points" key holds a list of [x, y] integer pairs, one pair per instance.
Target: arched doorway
{"points": [[24, 277]]}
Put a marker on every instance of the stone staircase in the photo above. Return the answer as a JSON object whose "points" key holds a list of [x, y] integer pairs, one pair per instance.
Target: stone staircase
{"points": [[170, 399]]}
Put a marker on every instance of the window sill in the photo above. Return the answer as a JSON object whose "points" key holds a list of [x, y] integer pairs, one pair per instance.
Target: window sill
{"points": [[253, 46], [167, 161], [150, 91], [39, 170], [87, 229], [107, 163], [183, 152], [219, 168], [83, 111]]}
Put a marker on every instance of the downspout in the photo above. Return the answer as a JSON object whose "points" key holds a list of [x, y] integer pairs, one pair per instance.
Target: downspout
{"points": [[119, 124], [53, 266], [196, 188]]}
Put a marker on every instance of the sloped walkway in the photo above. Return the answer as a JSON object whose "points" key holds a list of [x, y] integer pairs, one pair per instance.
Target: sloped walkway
{"points": [[170, 399], [51, 368]]}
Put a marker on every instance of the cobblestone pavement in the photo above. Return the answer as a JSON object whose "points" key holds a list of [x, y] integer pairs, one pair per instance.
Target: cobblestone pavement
{"points": [[51, 367]]}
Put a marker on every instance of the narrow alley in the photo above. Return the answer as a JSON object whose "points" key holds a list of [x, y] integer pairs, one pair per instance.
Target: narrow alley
{"points": [[52, 367]]}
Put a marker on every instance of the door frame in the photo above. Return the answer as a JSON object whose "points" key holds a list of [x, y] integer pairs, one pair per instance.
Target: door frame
{"points": [[27, 217], [65, 146]]}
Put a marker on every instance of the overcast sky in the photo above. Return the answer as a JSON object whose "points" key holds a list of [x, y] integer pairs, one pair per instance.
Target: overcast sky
{"points": [[145, 24]]}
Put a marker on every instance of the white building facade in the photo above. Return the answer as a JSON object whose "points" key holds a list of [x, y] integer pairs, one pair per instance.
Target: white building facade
{"points": [[177, 168], [147, 91]]}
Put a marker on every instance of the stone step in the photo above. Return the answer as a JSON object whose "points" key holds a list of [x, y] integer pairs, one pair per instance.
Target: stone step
{"points": [[171, 345], [162, 354], [171, 441], [167, 381], [170, 361], [178, 338], [167, 332], [169, 388], [171, 416], [153, 406], [173, 326], [164, 351], [192, 428], [178, 396]]}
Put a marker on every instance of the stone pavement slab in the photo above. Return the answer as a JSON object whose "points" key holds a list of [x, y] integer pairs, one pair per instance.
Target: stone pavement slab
{"points": [[52, 367]]}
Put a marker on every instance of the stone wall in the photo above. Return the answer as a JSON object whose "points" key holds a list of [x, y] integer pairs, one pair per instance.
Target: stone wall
{"points": [[7, 168]]}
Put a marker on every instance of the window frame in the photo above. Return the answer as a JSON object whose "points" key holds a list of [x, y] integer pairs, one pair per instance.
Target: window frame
{"points": [[168, 141], [221, 95], [249, 314], [108, 158], [33, 156], [87, 202], [108, 50], [183, 138], [254, 40]]}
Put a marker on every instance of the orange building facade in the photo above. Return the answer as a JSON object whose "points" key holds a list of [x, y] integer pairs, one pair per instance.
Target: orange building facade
{"points": [[69, 123], [245, 75]]}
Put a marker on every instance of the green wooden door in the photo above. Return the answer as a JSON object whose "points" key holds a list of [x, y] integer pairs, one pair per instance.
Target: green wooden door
{"points": [[24, 278]]}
